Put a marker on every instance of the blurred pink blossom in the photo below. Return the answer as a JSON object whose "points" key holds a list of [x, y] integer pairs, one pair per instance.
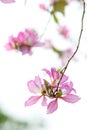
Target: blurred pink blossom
{"points": [[64, 31], [7, 1], [24, 42], [43, 7], [65, 55]]}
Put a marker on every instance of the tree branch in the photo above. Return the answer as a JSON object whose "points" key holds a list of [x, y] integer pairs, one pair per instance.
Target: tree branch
{"points": [[79, 40]]}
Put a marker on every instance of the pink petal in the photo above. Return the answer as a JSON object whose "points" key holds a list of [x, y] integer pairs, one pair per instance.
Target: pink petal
{"points": [[32, 87], [71, 98], [38, 82], [44, 101], [54, 73], [48, 72], [52, 106], [8, 46], [64, 79], [32, 100], [68, 87], [7, 1], [21, 37]]}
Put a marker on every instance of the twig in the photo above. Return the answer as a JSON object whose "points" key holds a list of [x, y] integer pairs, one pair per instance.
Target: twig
{"points": [[45, 29], [79, 40]]}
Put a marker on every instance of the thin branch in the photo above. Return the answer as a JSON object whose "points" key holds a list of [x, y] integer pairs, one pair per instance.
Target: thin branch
{"points": [[79, 40], [45, 29]]}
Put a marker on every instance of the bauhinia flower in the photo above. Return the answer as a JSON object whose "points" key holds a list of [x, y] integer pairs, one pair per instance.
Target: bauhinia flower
{"points": [[53, 89], [24, 42], [7, 1]]}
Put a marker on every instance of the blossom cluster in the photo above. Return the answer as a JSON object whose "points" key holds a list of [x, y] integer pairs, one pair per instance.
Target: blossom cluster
{"points": [[54, 89], [24, 42]]}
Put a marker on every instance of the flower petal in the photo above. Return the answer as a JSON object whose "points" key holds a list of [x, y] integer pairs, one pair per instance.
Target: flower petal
{"points": [[67, 88], [32, 100], [71, 98], [54, 73], [52, 106], [64, 79], [44, 101], [32, 87], [48, 72], [9, 46], [38, 82], [21, 37]]}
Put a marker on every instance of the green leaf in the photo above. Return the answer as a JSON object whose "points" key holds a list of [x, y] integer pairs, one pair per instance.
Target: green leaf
{"points": [[59, 6]]}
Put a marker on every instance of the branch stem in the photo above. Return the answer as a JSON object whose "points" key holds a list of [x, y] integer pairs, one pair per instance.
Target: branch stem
{"points": [[79, 41]]}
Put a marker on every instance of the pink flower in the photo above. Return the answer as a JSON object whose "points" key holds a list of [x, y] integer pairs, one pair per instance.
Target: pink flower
{"points": [[63, 30], [51, 89], [43, 7], [62, 92], [35, 86], [24, 42], [7, 1]]}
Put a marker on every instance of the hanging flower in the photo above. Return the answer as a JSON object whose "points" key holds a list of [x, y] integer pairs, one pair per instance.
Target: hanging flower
{"points": [[54, 89]]}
